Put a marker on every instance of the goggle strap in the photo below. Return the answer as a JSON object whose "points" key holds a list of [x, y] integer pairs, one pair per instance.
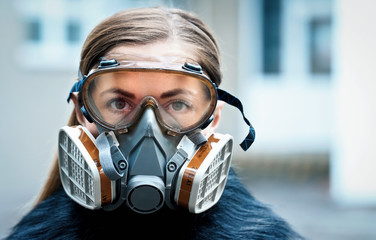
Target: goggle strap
{"points": [[235, 102], [77, 87]]}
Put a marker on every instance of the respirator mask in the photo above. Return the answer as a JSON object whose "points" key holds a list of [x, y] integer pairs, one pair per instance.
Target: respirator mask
{"points": [[150, 151]]}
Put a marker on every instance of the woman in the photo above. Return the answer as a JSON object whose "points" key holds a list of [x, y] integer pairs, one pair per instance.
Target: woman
{"points": [[139, 37]]}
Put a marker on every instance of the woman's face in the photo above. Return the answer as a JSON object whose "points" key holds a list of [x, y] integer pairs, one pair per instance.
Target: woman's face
{"points": [[168, 48]]}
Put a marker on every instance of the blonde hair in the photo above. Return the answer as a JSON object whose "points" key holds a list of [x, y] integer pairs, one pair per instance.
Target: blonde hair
{"points": [[141, 27]]}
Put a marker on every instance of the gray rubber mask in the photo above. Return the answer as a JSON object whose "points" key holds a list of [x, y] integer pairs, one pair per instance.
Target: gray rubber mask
{"points": [[144, 168]]}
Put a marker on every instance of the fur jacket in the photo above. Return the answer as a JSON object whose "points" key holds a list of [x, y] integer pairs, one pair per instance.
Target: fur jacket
{"points": [[237, 215]]}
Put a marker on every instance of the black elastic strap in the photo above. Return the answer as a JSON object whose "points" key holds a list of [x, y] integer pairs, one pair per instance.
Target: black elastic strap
{"points": [[233, 101]]}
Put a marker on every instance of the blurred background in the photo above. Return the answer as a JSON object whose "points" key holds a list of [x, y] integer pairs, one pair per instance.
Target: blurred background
{"points": [[304, 70]]}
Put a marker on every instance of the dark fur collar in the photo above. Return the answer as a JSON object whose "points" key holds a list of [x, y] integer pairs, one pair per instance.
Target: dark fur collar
{"points": [[236, 216]]}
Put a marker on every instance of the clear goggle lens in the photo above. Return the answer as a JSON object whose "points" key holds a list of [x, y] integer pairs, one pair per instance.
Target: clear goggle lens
{"points": [[116, 98]]}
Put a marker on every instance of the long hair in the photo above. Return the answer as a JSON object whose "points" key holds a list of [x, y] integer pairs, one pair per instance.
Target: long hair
{"points": [[141, 27]]}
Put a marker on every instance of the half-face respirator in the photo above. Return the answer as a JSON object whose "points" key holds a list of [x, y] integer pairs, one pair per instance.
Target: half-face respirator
{"points": [[150, 150]]}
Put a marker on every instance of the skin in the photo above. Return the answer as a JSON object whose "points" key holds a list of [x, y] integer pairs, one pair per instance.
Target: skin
{"points": [[167, 48]]}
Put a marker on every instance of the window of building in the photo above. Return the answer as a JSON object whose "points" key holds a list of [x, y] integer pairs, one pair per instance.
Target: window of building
{"points": [[54, 31], [34, 30], [320, 45], [271, 36], [73, 32]]}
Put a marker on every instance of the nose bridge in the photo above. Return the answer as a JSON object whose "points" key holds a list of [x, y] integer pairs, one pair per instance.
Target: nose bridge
{"points": [[149, 101], [148, 115]]}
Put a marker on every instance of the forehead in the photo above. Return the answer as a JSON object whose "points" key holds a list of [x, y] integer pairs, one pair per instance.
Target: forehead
{"points": [[161, 48]]}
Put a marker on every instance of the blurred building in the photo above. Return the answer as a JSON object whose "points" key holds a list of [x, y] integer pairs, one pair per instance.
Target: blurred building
{"points": [[285, 62]]}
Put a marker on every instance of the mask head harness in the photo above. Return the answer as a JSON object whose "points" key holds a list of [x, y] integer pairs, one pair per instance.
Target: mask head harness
{"points": [[150, 150]]}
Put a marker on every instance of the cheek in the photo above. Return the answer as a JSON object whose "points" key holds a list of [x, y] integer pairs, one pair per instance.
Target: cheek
{"points": [[206, 132], [92, 128]]}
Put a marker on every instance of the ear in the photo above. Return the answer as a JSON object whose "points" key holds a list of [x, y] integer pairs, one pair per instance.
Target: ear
{"points": [[217, 117], [81, 118], [77, 108]]}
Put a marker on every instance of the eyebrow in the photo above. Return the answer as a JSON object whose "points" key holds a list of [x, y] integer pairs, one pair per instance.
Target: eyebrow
{"points": [[175, 92], [119, 91]]}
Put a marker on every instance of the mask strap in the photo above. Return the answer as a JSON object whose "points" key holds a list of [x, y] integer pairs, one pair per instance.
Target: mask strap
{"points": [[77, 87], [113, 162], [233, 101], [197, 138]]}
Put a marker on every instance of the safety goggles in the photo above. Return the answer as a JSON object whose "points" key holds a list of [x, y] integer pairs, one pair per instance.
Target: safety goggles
{"points": [[117, 91]]}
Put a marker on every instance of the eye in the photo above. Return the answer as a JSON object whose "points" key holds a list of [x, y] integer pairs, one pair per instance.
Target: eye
{"points": [[119, 104], [178, 106]]}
